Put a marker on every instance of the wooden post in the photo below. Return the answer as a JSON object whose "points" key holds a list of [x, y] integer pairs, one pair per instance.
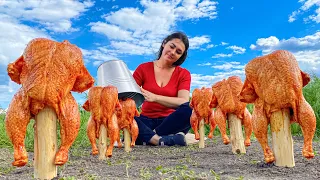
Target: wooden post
{"points": [[201, 133], [45, 144], [102, 142], [127, 140], [236, 134], [282, 142]]}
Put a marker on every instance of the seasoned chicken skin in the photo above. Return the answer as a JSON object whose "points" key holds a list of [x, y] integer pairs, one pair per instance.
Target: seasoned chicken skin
{"points": [[102, 103], [274, 82], [126, 119], [200, 103], [225, 100], [47, 71]]}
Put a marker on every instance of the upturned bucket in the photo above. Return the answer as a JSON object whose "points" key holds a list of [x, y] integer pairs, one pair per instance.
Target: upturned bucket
{"points": [[116, 73]]}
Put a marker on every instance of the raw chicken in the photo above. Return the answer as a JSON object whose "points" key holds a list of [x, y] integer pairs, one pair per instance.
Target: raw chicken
{"points": [[200, 103], [274, 82], [47, 71], [126, 119], [102, 103], [225, 100]]}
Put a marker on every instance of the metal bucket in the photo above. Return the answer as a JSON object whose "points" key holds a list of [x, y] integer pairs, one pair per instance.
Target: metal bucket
{"points": [[116, 73]]}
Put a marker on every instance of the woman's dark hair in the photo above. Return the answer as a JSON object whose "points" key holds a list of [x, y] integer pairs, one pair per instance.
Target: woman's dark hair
{"points": [[184, 39]]}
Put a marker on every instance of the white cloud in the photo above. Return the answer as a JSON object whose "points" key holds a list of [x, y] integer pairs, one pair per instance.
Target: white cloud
{"points": [[196, 42], [309, 42], [205, 64], [240, 73], [14, 37], [228, 66], [7, 92], [234, 62], [237, 49], [309, 61], [200, 80], [305, 49], [252, 46], [315, 17], [293, 15], [115, 7], [265, 43], [210, 46], [192, 9], [129, 48], [224, 43], [155, 21], [60, 26], [307, 5], [99, 55], [221, 55], [56, 16], [111, 31]]}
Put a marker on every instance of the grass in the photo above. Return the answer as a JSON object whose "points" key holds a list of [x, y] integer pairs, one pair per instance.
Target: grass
{"points": [[180, 172], [82, 140], [216, 175], [145, 173], [4, 139], [6, 170]]}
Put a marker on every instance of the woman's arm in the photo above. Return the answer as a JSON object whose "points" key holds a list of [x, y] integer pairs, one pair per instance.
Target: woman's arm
{"points": [[172, 102]]}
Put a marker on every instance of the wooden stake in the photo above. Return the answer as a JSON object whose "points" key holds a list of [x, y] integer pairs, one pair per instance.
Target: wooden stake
{"points": [[102, 142], [201, 133], [127, 140], [45, 144], [236, 134], [282, 142]]}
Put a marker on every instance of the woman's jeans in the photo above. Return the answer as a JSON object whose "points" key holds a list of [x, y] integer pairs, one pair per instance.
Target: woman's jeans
{"points": [[178, 121]]}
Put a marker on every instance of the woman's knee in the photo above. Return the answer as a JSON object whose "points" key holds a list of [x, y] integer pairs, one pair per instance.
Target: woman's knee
{"points": [[185, 109]]}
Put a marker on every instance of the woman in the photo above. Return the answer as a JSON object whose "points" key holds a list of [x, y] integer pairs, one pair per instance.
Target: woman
{"points": [[165, 116]]}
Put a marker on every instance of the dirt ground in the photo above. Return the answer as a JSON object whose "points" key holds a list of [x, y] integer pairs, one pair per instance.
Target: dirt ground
{"points": [[215, 161]]}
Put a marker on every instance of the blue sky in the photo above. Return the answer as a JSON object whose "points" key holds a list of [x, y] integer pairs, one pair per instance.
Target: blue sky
{"points": [[224, 35]]}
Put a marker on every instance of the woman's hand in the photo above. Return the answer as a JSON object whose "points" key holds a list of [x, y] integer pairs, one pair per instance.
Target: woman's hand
{"points": [[149, 96]]}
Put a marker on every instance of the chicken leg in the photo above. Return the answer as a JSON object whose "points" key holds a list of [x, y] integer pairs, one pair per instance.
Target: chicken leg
{"points": [[134, 131], [212, 125], [69, 118], [247, 123], [195, 124], [91, 133], [113, 133], [16, 122], [220, 119], [260, 129], [307, 121]]}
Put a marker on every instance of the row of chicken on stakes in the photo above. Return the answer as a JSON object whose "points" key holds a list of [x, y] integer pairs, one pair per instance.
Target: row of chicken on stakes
{"points": [[48, 71], [273, 83]]}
